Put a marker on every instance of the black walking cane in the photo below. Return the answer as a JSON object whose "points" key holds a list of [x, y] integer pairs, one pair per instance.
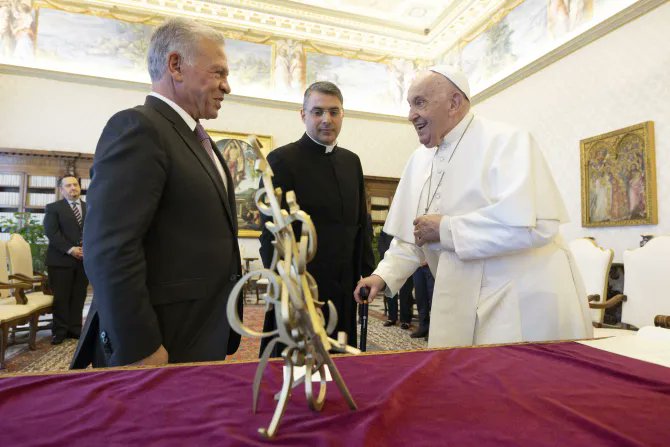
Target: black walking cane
{"points": [[363, 313]]}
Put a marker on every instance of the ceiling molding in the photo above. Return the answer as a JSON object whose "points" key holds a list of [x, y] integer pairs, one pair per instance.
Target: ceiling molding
{"points": [[287, 19]]}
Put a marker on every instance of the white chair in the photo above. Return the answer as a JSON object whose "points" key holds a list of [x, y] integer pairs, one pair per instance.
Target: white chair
{"points": [[593, 264], [14, 310], [21, 271], [646, 285], [6, 286], [12, 315], [646, 282]]}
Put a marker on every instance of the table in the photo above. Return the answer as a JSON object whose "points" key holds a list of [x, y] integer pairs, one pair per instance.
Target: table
{"points": [[554, 394]]}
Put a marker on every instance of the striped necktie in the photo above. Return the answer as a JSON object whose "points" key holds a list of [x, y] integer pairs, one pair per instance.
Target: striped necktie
{"points": [[206, 143], [77, 213]]}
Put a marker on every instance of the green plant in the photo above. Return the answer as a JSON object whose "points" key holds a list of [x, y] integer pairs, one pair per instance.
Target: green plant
{"points": [[32, 231]]}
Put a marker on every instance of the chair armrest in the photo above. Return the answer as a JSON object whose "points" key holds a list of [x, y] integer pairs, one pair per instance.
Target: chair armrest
{"points": [[662, 321], [25, 278], [616, 299], [19, 294], [41, 280], [15, 285]]}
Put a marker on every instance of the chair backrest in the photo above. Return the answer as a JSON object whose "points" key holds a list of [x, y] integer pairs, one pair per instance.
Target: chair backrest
{"points": [[646, 282], [20, 258], [593, 263], [4, 273]]}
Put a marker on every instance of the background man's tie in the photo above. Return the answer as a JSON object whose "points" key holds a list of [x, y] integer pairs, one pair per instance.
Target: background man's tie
{"points": [[206, 143], [77, 213]]}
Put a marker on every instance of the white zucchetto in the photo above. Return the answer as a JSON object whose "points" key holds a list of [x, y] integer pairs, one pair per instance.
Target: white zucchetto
{"points": [[456, 76]]}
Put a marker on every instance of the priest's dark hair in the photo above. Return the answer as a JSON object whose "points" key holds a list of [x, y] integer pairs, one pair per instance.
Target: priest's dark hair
{"points": [[325, 87]]}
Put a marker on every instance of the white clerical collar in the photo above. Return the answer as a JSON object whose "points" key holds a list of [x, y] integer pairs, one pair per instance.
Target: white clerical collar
{"points": [[329, 149], [188, 119], [457, 131]]}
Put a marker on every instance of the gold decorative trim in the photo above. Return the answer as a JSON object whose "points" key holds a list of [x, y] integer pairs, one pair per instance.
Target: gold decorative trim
{"points": [[275, 360], [248, 233], [243, 22], [343, 52], [110, 13]]}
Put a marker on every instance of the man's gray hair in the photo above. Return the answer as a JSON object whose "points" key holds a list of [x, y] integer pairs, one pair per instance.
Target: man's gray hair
{"points": [[325, 87], [177, 35]]}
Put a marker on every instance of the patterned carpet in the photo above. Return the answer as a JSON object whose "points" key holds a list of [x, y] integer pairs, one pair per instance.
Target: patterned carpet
{"points": [[57, 358]]}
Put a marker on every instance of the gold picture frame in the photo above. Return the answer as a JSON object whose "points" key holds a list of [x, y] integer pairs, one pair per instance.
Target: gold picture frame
{"points": [[240, 159], [618, 173]]}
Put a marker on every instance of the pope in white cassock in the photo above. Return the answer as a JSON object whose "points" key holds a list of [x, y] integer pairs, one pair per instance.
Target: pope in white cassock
{"points": [[479, 204]]}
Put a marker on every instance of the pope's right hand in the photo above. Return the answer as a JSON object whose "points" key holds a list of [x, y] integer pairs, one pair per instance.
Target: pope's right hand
{"points": [[374, 283]]}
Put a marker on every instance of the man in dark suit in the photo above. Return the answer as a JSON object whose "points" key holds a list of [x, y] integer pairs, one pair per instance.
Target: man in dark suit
{"points": [[63, 223], [328, 183], [161, 234]]}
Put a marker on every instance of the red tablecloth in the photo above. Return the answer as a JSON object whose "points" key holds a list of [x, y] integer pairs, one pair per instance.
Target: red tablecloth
{"points": [[560, 394]]}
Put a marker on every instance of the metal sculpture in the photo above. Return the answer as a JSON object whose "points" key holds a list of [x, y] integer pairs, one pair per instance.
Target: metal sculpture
{"points": [[293, 294]]}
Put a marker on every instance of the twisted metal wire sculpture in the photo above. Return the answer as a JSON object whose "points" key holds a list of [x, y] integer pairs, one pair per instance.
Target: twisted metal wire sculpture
{"points": [[293, 294]]}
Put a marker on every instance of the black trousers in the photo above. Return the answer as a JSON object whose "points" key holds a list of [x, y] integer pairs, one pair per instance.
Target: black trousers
{"points": [[423, 287], [405, 298], [69, 288]]}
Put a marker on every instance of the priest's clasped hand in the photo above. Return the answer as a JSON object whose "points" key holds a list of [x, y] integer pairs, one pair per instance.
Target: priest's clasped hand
{"points": [[427, 229]]}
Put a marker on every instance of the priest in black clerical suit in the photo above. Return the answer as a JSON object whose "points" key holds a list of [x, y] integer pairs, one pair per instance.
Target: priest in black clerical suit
{"points": [[328, 183]]}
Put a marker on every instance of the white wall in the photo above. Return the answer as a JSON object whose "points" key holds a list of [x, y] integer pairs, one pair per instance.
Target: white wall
{"points": [[50, 112], [618, 80], [57, 112]]}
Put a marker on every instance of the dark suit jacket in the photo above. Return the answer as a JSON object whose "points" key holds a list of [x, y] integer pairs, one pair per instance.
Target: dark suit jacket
{"points": [[63, 231], [160, 243]]}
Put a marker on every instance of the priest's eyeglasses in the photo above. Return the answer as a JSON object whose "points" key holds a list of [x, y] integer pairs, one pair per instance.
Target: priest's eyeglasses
{"points": [[318, 112]]}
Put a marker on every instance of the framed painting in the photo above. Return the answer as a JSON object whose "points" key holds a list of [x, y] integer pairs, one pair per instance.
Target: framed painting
{"points": [[618, 171], [240, 158]]}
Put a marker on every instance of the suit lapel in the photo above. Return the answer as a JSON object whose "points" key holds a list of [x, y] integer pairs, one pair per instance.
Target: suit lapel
{"points": [[188, 136], [67, 211], [197, 149], [230, 187], [73, 227]]}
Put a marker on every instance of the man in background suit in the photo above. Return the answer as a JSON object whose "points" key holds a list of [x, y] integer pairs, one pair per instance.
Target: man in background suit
{"points": [[63, 223], [161, 235]]}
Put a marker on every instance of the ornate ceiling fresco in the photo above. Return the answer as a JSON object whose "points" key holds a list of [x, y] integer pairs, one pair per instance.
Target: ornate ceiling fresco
{"points": [[413, 29], [370, 48]]}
